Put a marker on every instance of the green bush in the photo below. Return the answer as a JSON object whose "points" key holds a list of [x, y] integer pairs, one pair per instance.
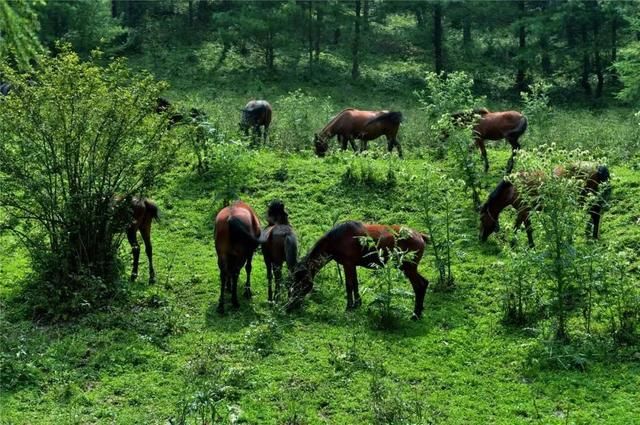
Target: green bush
{"points": [[75, 135]]}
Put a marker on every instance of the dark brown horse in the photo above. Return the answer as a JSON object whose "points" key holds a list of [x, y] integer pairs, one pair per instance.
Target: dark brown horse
{"points": [[344, 244], [142, 212], [351, 124], [508, 125], [256, 116], [280, 245], [237, 232], [163, 106], [506, 194]]}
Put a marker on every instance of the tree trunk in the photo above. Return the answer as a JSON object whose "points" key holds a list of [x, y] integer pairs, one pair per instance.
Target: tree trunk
{"points": [[466, 32], [114, 8], [318, 31], [614, 38], [355, 68], [598, 59], [365, 23], [190, 12], [419, 16], [310, 34], [545, 62], [586, 66], [522, 43], [437, 37]]}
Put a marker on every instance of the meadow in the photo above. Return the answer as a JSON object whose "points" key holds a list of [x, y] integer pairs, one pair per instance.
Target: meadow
{"points": [[162, 353], [487, 348]]}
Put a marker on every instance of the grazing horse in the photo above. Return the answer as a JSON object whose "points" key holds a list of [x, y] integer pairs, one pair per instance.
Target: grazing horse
{"points": [[344, 244], [506, 194], [509, 125], [351, 124], [280, 245], [237, 232], [163, 106], [256, 115], [140, 213], [5, 88]]}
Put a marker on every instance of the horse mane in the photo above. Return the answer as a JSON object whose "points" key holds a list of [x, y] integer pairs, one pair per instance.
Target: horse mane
{"points": [[481, 111], [334, 119]]}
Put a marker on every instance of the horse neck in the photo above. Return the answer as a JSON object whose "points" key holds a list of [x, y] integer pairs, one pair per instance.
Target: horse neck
{"points": [[318, 257], [327, 131], [508, 197]]}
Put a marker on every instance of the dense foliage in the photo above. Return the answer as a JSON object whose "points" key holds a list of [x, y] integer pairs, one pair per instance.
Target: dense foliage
{"points": [[75, 137]]}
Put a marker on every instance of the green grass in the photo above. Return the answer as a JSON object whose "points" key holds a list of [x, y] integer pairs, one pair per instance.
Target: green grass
{"points": [[163, 348], [144, 359]]}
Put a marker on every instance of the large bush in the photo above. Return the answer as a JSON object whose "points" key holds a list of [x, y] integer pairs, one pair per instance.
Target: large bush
{"points": [[75, 136]]}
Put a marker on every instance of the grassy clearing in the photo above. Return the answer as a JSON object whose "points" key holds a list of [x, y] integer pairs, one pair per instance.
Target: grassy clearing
{"points": [[166, 351]]}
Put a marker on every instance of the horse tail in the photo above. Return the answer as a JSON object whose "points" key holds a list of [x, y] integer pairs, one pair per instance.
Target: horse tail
{"points": [[393, 117], [520, 128], [291, 251], [152, 209], [238, 230]]}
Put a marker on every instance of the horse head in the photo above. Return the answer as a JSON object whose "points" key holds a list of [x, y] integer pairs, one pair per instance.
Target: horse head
{"points": [[301, 286], [321, 145], [488, 223]]}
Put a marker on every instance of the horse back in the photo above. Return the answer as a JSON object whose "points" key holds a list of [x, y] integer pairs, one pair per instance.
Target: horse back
{"points": [[497, 125], [242, 213]]}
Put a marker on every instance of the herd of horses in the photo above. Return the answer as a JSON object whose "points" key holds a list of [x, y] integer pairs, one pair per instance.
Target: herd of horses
{"points": [[238, 232]]}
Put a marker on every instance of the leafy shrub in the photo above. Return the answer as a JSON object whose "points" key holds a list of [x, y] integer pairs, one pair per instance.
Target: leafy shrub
{"points": [[362, 171], [75, 135], [299, 116]]}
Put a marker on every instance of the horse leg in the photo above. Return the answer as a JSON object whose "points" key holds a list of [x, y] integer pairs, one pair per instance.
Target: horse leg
{"points": [[595, 220], [247, 285], [235, 274], [396, 143], [265, 134], [523, 217], [419, 284], [483, 152], [352, 142], [350, 277], [515, 147], [135, 250], [269, 267], [277, 271], [343, 142], [224, 276], [145, 231]]}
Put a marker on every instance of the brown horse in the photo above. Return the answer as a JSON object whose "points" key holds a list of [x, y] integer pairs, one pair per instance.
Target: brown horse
{"points": [[280, 245], [509, 125], [163, 106], [344, 244], [351, 124], [237, 232], [142, 213], [506, 194], [256, 115]]}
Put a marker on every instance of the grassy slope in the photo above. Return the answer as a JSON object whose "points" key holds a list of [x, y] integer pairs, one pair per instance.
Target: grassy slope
{"points": [[140, 361], [136, 363]]}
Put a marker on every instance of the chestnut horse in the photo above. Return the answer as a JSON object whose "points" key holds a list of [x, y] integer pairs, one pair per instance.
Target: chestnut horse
{"points": [[344, 244], [509, 125], [237, 232], [256, 115], [351, 124], [506, 194], [141, 213], [280, 245]]}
